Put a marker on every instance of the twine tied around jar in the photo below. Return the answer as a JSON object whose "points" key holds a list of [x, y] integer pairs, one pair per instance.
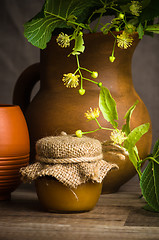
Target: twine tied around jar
{"points": [[71, 160]]}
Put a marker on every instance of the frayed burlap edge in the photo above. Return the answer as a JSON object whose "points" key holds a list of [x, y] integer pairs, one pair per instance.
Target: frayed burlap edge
{"points": [[71, 175]]}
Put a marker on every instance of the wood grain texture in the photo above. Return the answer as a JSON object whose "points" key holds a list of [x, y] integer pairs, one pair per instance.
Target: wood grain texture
{"points": [[116, 216]]}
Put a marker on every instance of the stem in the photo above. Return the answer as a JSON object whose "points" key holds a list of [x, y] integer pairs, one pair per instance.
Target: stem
{"points": [[77, 61], [114, 47], [102, 2], [138, 165], [81, 81], [112, 34], [68, 21], [155, 156], [78, 64], [100, 128], [125, 22], [120, 25], [151, 158], [96, 130], [142, 161], [91, 131], [87, 79], [110, 129], [97, 25], [145, 23], [89, 28], [139, 173], [76, 71], [89, 19], [85, 69], [98, 123], [115, 9]]}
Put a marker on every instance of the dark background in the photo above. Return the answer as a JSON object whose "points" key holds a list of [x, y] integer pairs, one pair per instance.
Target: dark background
{"points": [[16, 54]]}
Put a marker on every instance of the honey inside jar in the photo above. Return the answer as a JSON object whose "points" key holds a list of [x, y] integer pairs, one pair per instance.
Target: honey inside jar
{"points": [[56, 197]]}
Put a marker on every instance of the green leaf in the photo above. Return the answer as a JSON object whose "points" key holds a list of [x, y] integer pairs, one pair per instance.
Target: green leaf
{"points": [[126, 127], [57, 14], [156, 160], [125, 8], [149, 208], [133, 156], [155, 153], [156, 148], [153, 28], [140, 31], [129, 144], [149, 184], [145, 3], [108, 106], [135, 135], [105, 28], [150, 11], [39, 30]]}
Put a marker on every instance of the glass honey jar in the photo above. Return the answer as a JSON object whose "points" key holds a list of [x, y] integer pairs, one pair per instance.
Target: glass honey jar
{"points": [[68, 173]]}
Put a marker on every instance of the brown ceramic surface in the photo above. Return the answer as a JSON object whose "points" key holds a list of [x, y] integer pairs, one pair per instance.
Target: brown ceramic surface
{"points": [[56, 108]]}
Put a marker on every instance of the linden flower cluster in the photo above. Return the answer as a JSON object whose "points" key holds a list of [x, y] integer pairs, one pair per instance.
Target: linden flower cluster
{"points": [[124, 40], [63, 40], [70, 80], [118, 137], [135, 8], [92, 114]]}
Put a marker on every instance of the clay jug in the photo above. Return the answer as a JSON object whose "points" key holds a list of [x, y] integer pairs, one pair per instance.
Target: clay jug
{"points": [[56, 108], [14, 148]]}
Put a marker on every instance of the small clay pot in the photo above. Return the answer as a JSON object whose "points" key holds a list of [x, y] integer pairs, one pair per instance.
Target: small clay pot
{"points": [[14, 148], [56, 197]]}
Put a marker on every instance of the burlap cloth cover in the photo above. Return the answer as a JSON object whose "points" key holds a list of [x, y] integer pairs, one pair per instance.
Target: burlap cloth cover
{"points": [[71, 160]]}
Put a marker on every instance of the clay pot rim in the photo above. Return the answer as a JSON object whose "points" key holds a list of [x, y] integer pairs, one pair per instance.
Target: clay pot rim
{"points": [[109, 33], [8, 105], [101, 33]]}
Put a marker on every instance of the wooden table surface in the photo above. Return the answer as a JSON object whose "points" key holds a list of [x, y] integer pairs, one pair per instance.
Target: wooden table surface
{"points": [[116, 216]]}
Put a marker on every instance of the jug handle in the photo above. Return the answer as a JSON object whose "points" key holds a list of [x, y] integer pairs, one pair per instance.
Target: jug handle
{"points": [[24, 86]]}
